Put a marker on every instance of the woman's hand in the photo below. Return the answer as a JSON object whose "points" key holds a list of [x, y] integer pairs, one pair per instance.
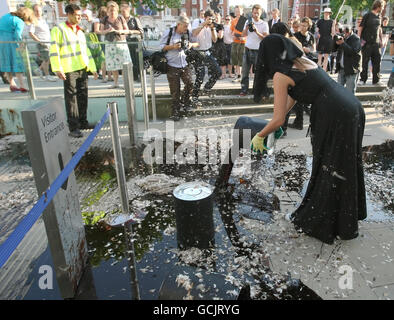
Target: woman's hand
{"points": [[109, 30], [257, 144]]}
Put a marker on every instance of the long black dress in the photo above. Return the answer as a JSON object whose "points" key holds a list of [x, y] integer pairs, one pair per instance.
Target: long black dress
{"points": [[335, 197]]}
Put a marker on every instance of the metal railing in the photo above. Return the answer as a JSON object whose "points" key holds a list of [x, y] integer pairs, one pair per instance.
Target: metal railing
{"points": [[32, 72]]}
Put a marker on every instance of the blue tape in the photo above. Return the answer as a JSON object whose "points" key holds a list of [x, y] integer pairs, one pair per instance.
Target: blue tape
{"points": [[12, 242]]}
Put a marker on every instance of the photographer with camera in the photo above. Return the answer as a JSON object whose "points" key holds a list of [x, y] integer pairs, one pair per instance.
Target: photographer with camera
{"points": [[255, 30], [204, 34], [178, 68], [348, 58]]}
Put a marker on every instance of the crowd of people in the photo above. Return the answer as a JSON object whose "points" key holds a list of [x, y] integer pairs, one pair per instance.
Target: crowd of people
{"points": [[113, 23], [228, 49]]}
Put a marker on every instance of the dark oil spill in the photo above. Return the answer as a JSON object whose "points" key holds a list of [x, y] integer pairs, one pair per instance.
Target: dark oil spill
{"points": [[156, 247]]}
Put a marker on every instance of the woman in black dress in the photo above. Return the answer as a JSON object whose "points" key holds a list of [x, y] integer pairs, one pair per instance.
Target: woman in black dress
{"points": [[326, 30], [335, 197]]}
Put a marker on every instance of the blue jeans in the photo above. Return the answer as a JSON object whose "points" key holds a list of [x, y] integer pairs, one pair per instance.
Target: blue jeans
{"points": [[249, 59], [349, 81], [214, 72]]}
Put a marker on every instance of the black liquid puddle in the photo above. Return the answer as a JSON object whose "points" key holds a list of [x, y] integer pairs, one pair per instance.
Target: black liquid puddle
{"points": [[156, 250]]}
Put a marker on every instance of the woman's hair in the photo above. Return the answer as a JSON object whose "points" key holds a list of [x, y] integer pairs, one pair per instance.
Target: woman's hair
{"points": [[277, 53], [284, 30], [26, 14], [281, 28], [308, 21], [113, 4], [102, 13]]}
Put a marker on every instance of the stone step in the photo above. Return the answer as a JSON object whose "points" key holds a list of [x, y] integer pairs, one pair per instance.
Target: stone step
{"points": [[161, 93], [249, 109], [240, 105]]}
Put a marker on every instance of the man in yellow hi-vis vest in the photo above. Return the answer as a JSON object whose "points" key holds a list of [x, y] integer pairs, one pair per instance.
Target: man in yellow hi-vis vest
{"points": [[71, 60]]}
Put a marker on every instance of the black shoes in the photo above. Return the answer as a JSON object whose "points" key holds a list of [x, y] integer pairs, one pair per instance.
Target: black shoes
{"points": [[297, 126], [76, 133], [86, 126]]}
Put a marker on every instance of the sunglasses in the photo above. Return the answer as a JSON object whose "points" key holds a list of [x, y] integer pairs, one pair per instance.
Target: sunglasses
{"points": [[227, 19]]}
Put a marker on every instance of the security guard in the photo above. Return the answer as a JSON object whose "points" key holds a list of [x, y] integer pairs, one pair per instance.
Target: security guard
{"points": [[71, 60]]}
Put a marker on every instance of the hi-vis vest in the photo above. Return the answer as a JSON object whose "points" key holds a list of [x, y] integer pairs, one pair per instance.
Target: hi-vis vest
{"points": [[69, 51]]}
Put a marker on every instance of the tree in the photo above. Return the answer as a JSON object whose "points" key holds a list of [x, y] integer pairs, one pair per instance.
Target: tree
{"points": [[358, 6], [155, 5], [28, 4]]}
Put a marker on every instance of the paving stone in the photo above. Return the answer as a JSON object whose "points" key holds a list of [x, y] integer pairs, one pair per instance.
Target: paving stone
{"points": [[384, 292]]}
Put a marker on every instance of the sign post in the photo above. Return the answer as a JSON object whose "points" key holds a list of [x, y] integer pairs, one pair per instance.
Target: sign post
{"points": [[46, 131]]}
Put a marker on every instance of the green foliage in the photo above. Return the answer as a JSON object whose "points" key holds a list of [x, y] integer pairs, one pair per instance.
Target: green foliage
{"points": [[28, 4], [90, 218], [358, 6]]}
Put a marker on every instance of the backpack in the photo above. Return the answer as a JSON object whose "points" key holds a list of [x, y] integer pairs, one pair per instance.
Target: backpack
{"points": [[158, 59]]}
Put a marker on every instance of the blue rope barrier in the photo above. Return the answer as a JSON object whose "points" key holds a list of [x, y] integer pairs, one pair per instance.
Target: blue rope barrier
{"points": [[12, 242]]}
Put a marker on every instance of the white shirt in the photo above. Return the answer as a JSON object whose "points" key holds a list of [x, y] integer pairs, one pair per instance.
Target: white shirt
{"points": [[204, 38], [253, 40], [227, 37], [41, 30]]}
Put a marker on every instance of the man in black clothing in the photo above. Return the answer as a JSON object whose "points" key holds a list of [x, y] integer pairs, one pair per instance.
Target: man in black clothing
{"points": [[349, 59], [275, 18], [371, 41]]}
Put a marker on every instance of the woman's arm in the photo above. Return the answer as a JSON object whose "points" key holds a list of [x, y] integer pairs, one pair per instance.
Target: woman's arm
{"points": [[282, 103]]}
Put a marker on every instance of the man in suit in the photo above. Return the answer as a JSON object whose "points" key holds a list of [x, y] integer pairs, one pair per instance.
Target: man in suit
{"points": [[275, 18], [349, 59]]}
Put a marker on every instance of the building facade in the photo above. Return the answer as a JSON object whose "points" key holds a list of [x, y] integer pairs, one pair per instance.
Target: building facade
{"points": [[305, 8]]}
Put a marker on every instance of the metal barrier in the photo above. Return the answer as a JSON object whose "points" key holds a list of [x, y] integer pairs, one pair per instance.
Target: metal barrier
{"points": [[31, 73]]}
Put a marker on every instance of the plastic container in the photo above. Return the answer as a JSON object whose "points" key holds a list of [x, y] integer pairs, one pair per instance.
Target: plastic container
{"points": [[194, 215]]}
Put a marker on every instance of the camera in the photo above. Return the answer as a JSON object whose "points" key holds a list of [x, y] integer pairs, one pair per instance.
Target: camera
{"points": [[251, 26], [184, 42], [338, 36]]}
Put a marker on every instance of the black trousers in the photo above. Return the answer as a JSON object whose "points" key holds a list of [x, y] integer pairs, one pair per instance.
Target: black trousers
{"points": [[371, 52], [76, 98], [133, 47], [298, 109], [206, 60]]}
